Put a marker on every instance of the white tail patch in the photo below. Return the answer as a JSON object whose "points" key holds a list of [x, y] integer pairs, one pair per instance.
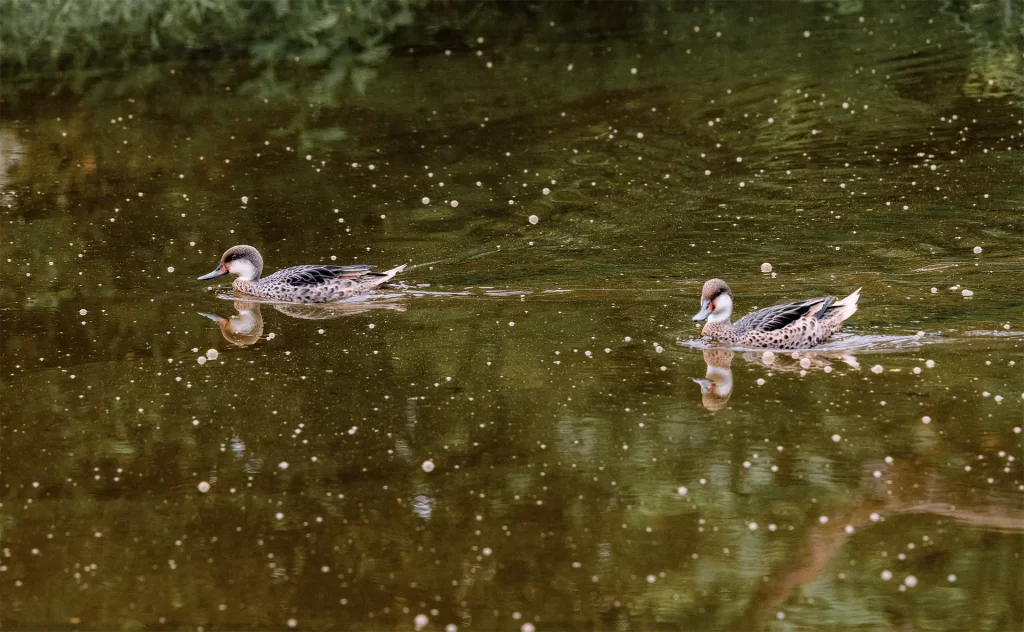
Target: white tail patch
{"points": [[392, 272], [848, 306]]}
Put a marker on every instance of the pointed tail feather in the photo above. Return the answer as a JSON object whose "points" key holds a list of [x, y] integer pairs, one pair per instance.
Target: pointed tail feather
{"points": [[389, 274], [848, 306]]}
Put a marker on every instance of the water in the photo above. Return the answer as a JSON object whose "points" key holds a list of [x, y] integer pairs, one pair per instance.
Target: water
{"points": [[581, 478]]}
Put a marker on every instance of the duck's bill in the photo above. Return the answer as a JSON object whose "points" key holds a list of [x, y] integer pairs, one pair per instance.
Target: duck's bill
{"points": [[704, 311], [215, 318], [220, 271]]}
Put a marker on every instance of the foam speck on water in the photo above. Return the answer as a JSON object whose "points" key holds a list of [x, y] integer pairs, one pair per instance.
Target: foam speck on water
{"points": [[203, 487], [766, 267], [533, 219], [428, 466]]}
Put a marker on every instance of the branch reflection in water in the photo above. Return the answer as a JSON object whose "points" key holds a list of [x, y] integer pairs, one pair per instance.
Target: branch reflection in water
{"points": [[245, 328]]}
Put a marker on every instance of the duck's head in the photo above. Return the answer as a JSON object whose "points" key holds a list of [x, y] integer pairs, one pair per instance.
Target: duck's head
{"points": [[715, 302], [245, 261]]}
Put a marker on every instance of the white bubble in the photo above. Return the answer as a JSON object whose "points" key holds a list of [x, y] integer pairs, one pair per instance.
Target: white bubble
{"points": [[527, 627], [279, 516], [951, 578], [292, 623], [977, 250], [967, 293], [651, 579], [823, 519], [425, 200], [752, 526], [877, 368], [910, 581], [212, 354], [428, 466], [455, 204], [421, 621], [683, 491], [836, 438], [848, 529], [545, 191], [875, 517], [639, 134], [283, 465], [245, 199], [170, 268], [886, 575], [926, 419], [533, 219], [766, 267], [201, 359], [203, 487], [83, 312]]}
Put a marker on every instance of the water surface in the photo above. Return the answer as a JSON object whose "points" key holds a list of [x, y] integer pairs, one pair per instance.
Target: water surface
{"points": [[542, 372]]}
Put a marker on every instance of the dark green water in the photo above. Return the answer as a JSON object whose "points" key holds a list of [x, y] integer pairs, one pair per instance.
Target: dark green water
{"points": [[580, 480]]}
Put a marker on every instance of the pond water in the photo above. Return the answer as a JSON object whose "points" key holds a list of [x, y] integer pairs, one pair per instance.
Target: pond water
{"points": [[526, 432]]}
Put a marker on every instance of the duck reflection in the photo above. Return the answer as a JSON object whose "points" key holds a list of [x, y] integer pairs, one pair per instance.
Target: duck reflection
{"points": [[246, 326], [716, 385]]}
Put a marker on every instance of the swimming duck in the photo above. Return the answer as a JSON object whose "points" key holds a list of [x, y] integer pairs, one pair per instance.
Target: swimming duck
{"points": [[300, 284], [796, 325]]}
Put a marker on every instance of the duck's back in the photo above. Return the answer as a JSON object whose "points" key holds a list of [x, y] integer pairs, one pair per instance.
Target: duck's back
{"points": [[796, 325], [311, 283], [779, 316]]}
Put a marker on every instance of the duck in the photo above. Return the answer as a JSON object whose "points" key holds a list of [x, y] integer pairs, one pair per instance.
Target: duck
{"points": [[798, 325], [300, 284]]}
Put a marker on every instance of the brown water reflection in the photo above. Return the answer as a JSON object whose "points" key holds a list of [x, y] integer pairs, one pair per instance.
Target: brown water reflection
{"points": [[515, 439]]}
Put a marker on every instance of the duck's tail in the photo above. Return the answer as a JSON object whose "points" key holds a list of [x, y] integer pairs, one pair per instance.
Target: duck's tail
{"points": [[389, 274], [848, 306]]}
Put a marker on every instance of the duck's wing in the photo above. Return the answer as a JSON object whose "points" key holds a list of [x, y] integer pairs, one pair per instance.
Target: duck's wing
{"points": [[778, 316], [301, 276]]}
